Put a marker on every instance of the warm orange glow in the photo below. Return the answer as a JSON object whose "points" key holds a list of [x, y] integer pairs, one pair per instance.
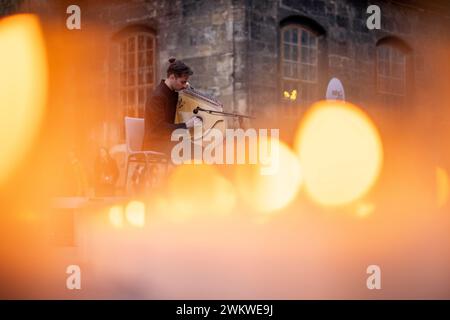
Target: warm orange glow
{"points": [[23, 88], [364, 209], [340, 151], [135, 213], [199, 190], [267, 193], [116, 216], [441, 187]]}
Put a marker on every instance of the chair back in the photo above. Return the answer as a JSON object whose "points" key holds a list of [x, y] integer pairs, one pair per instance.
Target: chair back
{"points": [[134, 134]]}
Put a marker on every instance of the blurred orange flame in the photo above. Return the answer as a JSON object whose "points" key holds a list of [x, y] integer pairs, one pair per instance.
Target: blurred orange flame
{"points": [[23, 88], [340, 152]]}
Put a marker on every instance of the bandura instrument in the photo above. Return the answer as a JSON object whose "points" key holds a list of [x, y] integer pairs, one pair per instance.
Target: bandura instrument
{"points": [[193, 102]]}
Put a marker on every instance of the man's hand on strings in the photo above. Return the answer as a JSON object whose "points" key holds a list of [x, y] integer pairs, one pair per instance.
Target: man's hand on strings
{"points": [[193, 121]]}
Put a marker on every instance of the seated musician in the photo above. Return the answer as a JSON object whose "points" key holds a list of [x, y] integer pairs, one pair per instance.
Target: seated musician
{"points": [[160, 109]]}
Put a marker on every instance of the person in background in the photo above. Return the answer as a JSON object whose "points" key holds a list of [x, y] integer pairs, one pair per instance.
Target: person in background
{"points": [[74, 179], [106, 173]]}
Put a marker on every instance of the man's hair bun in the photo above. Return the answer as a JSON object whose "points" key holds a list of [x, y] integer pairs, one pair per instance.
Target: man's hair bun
{"points": [[178, 68]]}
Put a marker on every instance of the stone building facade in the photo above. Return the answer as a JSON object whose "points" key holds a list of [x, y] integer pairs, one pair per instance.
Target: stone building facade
{"points": [[250, 53]]}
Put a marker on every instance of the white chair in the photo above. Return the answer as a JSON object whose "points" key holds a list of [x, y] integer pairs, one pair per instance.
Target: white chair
{"points": [[134, 137]]}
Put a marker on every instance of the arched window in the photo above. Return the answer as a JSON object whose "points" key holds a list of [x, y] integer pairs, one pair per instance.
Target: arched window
{"points": [[392, 71], [299, 61], [137, 71]]}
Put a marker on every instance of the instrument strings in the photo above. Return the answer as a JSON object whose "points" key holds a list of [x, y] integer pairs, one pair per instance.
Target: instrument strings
{"points": [[203, 96]]}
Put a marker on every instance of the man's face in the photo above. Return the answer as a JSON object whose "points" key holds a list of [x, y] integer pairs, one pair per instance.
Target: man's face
{"points": [[178, 83]]}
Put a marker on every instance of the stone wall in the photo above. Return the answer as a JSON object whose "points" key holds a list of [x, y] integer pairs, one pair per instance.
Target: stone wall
{"points": [[350, 44], [234, 48], [201, 33], [349, 51]]}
